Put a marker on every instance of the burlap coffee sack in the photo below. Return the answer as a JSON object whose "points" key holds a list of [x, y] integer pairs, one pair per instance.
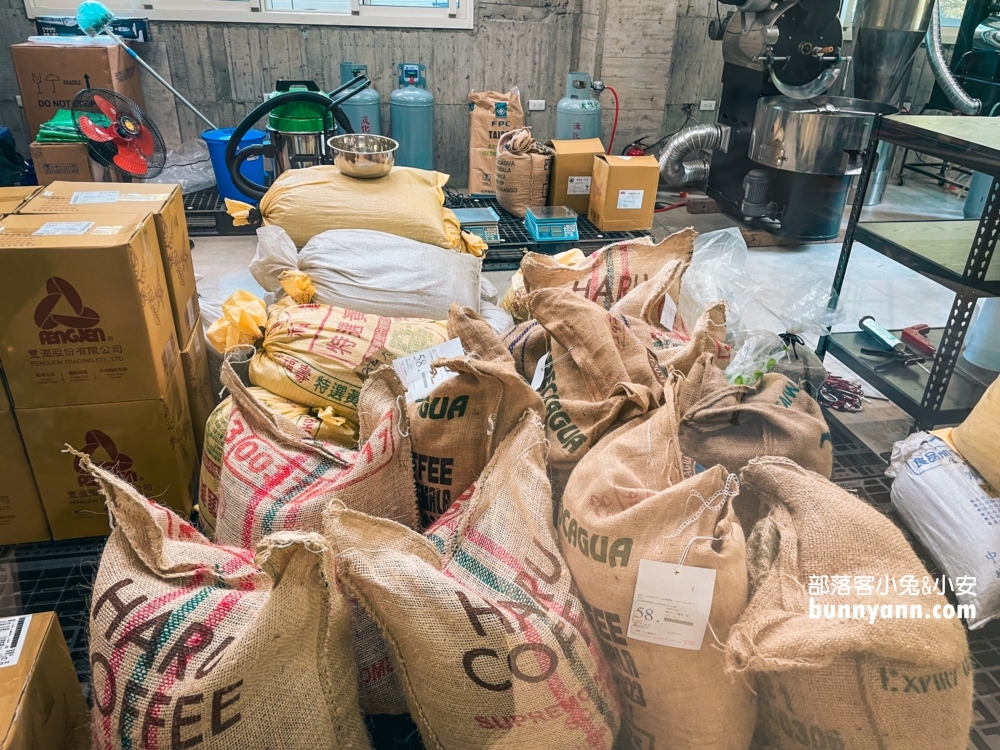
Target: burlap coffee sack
{"points": [[526, 342], [456, 428], [195, 644], [888, 684], [522, 172], [598, 373], [731, 424], [627, 500], [491, 114], [611, 272], [482, 618], [674, 346], [318, 423], [319, 355]]}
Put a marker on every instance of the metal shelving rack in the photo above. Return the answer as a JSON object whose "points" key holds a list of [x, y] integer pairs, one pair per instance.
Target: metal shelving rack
{"points": [[956, 254]]}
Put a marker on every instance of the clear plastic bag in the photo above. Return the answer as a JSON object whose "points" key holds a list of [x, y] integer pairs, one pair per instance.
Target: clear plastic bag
{"points": [[716, 274], [760, 352], [190, 167]]}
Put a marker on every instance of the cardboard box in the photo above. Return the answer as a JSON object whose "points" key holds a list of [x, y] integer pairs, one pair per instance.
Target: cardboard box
{"points": [[63, 161], [199, 385], [41, 703], [12, 198], [166, 204], [572, 169], [84, 312], [50, 76], [21, 516], [147, 443], [623, 194]]}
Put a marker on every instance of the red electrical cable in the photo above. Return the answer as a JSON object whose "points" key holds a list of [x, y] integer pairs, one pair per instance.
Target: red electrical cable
{"points": [[671, 207], [614, 126]]}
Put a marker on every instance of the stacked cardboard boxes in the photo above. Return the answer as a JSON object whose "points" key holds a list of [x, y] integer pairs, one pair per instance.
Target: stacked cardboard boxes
{"points": [[12, 198], [88, 339]]}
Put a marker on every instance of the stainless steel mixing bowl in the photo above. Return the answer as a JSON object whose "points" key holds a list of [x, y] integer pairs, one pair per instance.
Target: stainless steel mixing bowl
{"points": [[362, 155]]}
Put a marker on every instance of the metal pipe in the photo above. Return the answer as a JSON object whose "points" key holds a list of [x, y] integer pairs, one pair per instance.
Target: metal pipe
{"points": [[964, 103], [673, 167]]}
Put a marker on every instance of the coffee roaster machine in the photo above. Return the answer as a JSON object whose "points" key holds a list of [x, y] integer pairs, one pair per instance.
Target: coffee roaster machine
{"points": [[787, 142]]}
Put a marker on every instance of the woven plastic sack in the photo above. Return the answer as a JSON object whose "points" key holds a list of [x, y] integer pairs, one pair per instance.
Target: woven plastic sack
{"points": [[513, 299], [371, 272], [318, 424], [482, 619], [732, 424], [978, 436], [954, 513], [319, 355], [275, 478], [456, 428], [611, 272], [491, 114], [194, 644], [628, 501], [866, 681], [407, 202], [243, 316], [522, 172]]}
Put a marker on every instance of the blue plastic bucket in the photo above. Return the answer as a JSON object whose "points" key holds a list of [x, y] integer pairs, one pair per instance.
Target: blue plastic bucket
{"points": [[252, 169]]}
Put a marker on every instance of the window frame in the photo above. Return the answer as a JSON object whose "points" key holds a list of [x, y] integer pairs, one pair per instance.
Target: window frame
{"points": [[459, 15], [949, 31]]}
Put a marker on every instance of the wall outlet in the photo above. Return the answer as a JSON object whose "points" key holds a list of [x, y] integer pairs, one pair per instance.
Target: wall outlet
{"points": [[536, 105], [18, 98], [707, 105]]}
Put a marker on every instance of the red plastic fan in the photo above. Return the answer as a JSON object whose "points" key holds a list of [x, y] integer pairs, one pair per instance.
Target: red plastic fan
{"points": [[118, 133]]}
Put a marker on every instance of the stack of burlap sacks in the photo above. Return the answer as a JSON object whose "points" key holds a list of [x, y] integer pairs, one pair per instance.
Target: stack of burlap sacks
{"points": [[471, 557]]}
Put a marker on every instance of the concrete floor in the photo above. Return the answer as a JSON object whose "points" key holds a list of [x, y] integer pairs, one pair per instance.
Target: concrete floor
{"points": [[874, 285]]}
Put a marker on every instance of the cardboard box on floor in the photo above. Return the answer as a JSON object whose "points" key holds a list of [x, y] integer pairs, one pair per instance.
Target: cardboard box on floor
{"points": [[147, 443], [199, 386], [22, 518], [12, 198], [84, 311], [572, 170], [166, 204], [41, 703], [62, 161], [50, 76], [623, 193]]}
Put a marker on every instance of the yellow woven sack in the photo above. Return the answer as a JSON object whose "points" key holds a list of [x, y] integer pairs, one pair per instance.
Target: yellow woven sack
{"points": [[318, 423], [319, 355], [243, 315], [406, 202], [978, 436]]}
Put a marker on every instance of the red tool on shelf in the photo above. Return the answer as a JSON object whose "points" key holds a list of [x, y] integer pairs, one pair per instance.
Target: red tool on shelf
{"points": [[915, 337]]}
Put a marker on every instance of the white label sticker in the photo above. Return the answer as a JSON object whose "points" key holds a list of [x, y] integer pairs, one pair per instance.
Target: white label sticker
{"points": [[669, 314], [671, 604], [107, 230], [539, 376], [191, 312], [415, 369], [578, 186], [94, 196], [13, 634], [63, 228], [630, 198]]}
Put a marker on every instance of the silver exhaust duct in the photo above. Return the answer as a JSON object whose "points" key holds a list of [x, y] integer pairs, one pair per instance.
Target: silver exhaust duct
{"points": [[887, 34], [673, 167], [964, 103]]}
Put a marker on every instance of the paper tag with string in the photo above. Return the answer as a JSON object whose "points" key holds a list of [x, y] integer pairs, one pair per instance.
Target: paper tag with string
{"points": [[671, 604]]}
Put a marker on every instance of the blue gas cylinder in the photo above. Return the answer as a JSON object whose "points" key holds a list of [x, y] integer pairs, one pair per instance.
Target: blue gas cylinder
{"points": [[364, 109], [578, 114], [411, 118]]}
